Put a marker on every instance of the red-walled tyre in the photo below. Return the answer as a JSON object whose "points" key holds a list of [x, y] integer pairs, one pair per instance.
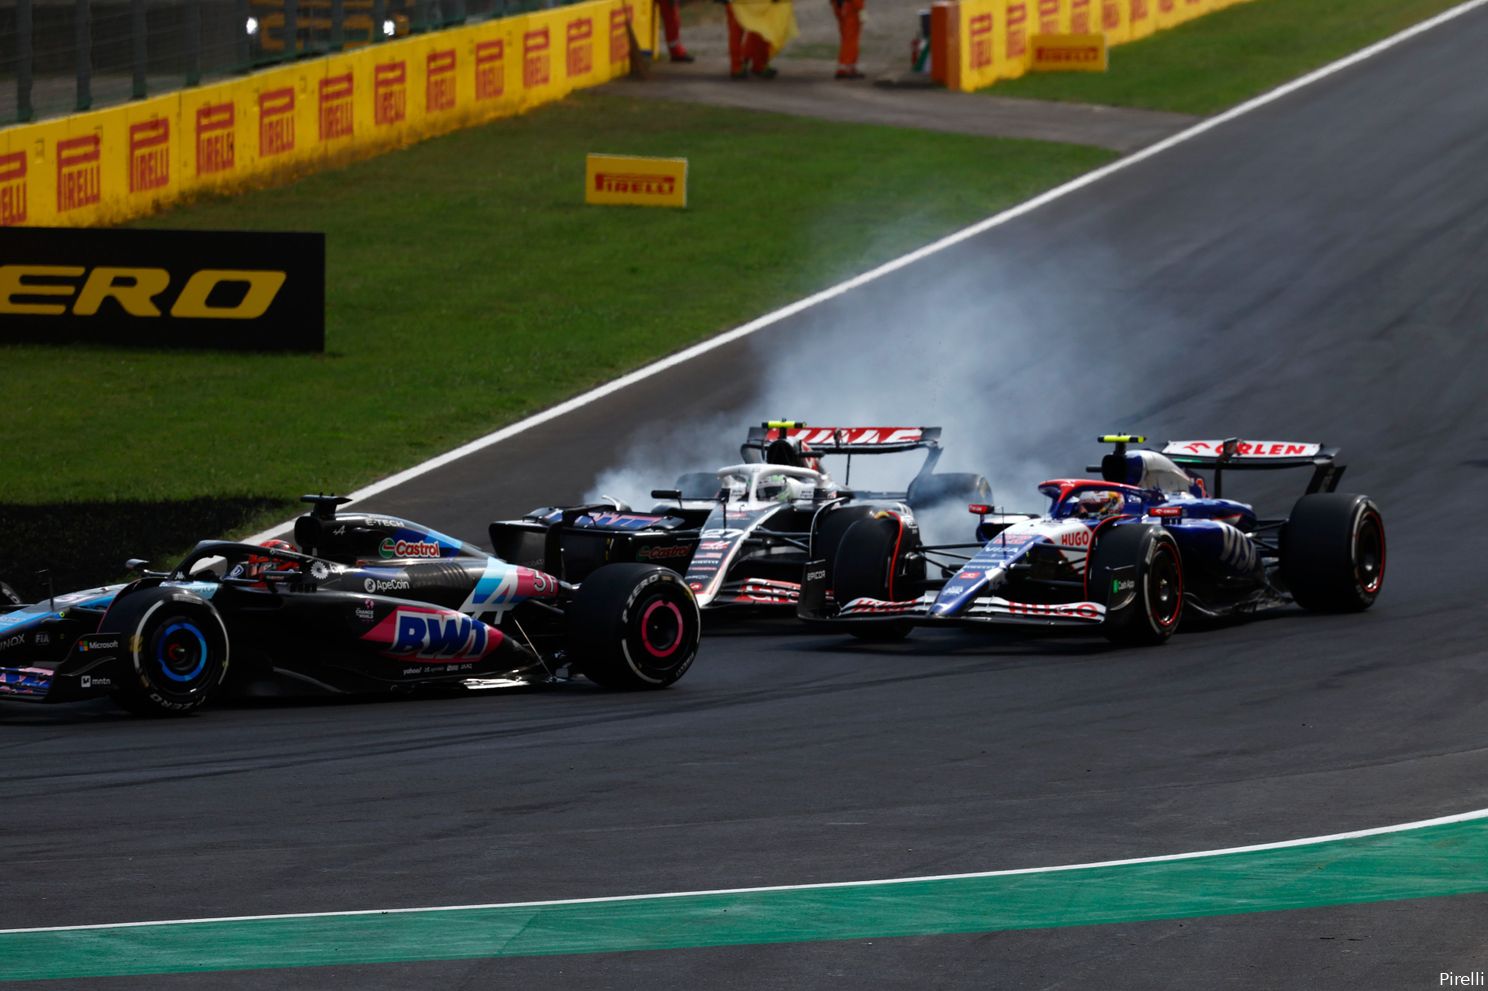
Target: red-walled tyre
{"points": [[1137, 572], [634, 626], [1333, 552]]}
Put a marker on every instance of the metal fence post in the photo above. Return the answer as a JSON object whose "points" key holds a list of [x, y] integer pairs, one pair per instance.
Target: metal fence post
{"points": [[338, 25], [291, 28], [24, 110], [137, 30], [84, 41], [193, 42], [379, 16]]}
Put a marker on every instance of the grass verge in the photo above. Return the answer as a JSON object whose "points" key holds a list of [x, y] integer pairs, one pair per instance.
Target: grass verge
{"points": [[468, 285], [1227, 57]]}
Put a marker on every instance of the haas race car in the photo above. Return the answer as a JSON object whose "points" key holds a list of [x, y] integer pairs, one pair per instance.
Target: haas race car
{"points": [[367, 604], [1129, 554], [739, 535]]}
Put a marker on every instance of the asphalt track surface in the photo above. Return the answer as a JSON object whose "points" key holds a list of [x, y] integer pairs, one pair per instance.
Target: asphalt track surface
{"points": [[1314, 269]]}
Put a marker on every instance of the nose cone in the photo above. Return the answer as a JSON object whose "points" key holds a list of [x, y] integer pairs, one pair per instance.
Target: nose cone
{"points": [[961, 589]]}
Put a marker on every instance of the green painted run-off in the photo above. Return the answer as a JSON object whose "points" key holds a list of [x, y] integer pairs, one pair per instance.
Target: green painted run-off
{"points": [[1435, 860]]}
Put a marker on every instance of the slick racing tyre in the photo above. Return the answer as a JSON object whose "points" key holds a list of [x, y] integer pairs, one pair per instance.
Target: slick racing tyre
{"points": [[958, 489], [1137, 572], [174, 651], [1333, 552], [634, 626], [868, 565]]}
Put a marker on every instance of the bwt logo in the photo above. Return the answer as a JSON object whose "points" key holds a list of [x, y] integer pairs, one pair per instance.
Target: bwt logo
{"points": [[78, 179], [535, 70], [12, 189], [439, 79], [1080, 17], [389, 93], [440, 636], [580, 47], [276, 122], [1017, 30], [337, 117], [619, 36], [629, 182], [215, 140], [981, 41], [149, 155], [490, 69]]}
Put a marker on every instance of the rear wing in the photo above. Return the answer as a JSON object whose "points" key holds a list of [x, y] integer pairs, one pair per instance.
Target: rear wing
{"points": [[1234, 454], [840, 440]]}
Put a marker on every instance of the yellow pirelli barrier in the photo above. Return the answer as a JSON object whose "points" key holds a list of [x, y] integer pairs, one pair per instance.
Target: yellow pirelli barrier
{"points": [[1141, 18], [1084, 16], [972, 40], [1051, 17], [1115, 21], [1011, 32], [988, 40], [111, 165]]}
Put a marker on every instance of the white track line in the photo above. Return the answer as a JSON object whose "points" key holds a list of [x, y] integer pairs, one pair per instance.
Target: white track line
{"points": [[1259, 847], [728, 337]]}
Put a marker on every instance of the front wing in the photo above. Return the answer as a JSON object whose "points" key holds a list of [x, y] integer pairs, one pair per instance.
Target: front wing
{"points": [[984, 609]]}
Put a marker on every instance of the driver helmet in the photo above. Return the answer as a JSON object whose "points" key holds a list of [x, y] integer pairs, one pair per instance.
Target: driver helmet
{"points": [[1100, 503], [782, 488], [254, 565]]}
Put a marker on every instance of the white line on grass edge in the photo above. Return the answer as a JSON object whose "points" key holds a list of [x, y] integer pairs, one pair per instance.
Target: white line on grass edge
{"points": [[760, 323], [1257, 848]]}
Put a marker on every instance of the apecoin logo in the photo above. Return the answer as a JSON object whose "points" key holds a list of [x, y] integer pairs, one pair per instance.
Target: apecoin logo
{"points": [[208, 293]]}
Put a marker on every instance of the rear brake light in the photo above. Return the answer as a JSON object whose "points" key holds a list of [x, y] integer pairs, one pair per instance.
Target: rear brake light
{"points": [[979, 508], [1167, 512]]}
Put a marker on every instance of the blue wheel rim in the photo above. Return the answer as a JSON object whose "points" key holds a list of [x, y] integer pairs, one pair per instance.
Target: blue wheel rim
{"points": [[174, 640]]}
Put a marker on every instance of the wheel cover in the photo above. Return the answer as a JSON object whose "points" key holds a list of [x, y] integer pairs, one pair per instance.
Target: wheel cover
{"points": [[662, 628], [1369, 553], [181, 651], [1164, 589]]}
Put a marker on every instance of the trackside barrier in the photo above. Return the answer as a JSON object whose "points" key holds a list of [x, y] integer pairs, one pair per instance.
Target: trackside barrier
{"points": [[988, 40], [108, 166]]}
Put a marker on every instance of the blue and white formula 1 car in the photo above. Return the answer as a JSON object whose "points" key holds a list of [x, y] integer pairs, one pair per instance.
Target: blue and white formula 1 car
{"points": [[366, 604], [1129, 553]]}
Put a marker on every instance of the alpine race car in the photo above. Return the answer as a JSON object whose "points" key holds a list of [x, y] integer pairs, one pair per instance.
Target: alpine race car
{"points": [[1130, 553], [366, 604], [738, 535]]}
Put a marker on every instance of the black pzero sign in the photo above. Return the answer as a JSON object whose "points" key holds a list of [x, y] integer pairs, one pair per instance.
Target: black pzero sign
{"points": [[232, 290]]}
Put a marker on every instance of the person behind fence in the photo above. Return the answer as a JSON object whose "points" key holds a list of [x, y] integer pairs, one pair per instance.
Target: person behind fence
{"points": [[671, 24], [758, 30], [850, 28]]}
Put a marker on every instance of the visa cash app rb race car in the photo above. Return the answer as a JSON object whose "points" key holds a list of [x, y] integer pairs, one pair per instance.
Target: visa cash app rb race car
{"points": [[1130, 553]]}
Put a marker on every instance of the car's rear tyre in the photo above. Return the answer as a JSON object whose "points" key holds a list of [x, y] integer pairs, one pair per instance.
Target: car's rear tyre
{"points": [[174, 651], [865, 566], [1333, 552], [634, 626], [1148, 610], [950, 489]]}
